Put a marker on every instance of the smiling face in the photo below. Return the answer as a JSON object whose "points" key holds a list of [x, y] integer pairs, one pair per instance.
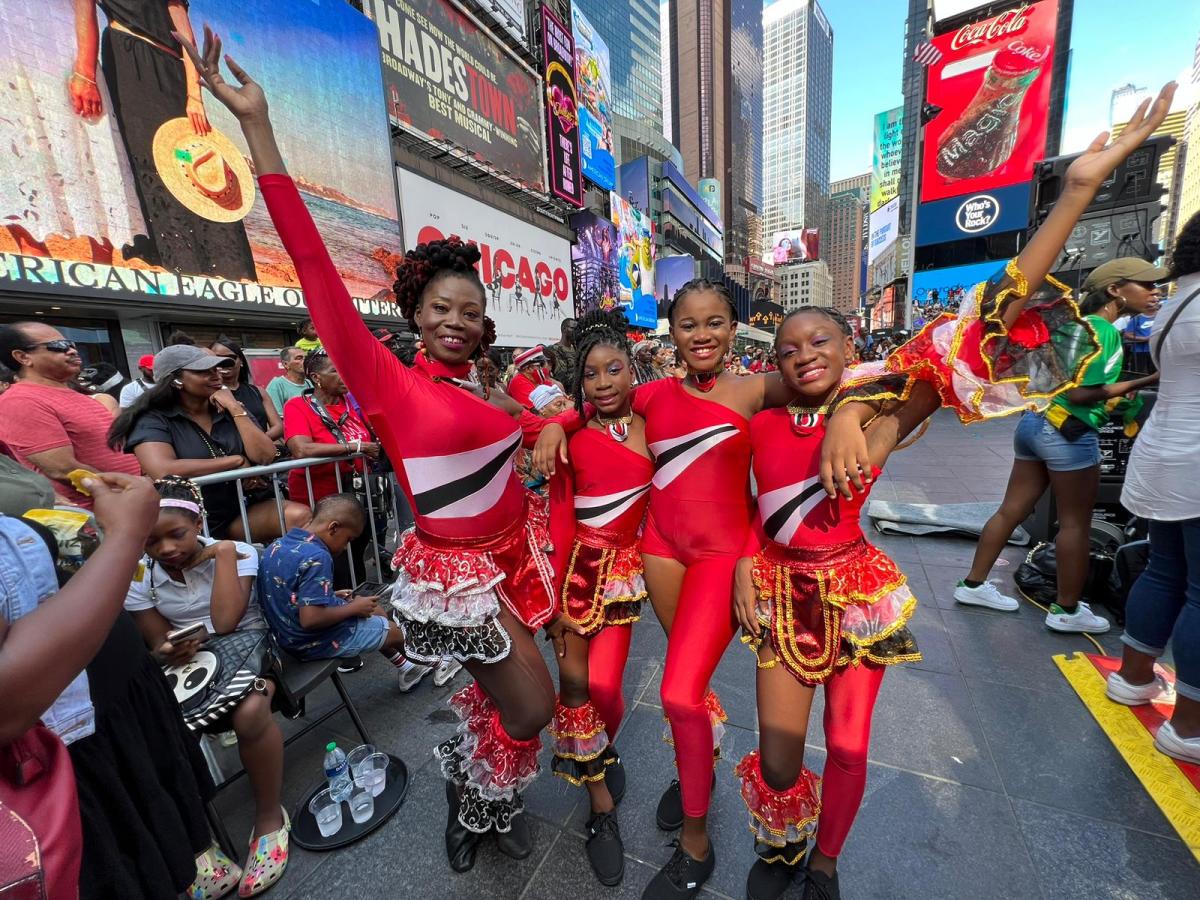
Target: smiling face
{"points": [[813, 352], [702, 329], [230, 373], [450, 318], [174, 539], [608, 380], [200, 384]]}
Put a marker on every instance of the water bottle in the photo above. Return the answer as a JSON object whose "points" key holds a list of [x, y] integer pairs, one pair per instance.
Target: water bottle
{"points": [[337, 772]]}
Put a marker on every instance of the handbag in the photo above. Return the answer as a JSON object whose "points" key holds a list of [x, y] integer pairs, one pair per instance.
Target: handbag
{"points": [[379, 483], [218, 677], [41, 839]]}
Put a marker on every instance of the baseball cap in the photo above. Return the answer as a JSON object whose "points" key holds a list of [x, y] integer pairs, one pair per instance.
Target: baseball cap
{"points": [[146, 361], [1127, 268], [171, 359]]}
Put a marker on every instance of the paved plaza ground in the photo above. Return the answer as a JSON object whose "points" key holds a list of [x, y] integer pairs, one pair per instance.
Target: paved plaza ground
{"points": [[988, 777]]}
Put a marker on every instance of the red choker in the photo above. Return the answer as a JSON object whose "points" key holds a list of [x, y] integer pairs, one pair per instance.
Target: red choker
{"points": [[704, 381], [423, 362]]}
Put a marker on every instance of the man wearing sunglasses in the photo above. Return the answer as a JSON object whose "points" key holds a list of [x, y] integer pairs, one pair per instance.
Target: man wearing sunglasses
{"points": [[46, 424]]}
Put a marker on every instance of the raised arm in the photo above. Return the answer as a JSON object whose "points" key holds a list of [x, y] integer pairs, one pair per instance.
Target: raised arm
{"points": [[368, 368]]}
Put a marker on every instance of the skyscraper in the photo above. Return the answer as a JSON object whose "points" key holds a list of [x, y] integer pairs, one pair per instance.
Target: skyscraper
{"points": [[842, 246], [797, 105], [631, 30], [1189, 194], [716, 108]]}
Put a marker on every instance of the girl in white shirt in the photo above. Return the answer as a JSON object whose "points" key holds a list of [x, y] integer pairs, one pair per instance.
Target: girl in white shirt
{"points": [[1161, 486], [186, 579]]}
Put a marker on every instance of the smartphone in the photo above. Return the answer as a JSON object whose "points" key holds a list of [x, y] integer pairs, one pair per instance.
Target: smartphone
{"points": [[194, 632], [368, 589]]}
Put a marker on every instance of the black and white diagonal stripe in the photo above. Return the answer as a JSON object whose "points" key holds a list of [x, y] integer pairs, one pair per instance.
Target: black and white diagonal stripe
{"points": [[783, 509], [459, 485], [672, 456], [602, 510]]}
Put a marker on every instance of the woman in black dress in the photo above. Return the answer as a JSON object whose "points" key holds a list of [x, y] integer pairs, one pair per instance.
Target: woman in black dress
{"points": [[151, 81]]}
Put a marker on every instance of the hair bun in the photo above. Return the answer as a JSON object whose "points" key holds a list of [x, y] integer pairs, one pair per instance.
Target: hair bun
{"points": [[423, 263]]}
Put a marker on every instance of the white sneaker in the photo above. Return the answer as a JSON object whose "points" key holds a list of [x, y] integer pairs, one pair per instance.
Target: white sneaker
{"points": [[445, 670], [985, 595], [1169, 742], [411, 674], [1082, 621], [1122, 691]]}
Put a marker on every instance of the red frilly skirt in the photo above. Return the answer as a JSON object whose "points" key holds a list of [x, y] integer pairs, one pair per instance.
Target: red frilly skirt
{"points": [[603, 583]]}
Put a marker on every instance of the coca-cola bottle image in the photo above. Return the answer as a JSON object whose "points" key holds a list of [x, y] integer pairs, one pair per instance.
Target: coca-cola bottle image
{"points": [[983, 137]]}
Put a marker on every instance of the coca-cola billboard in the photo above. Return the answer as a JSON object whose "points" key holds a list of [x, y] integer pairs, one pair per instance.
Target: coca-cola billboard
{"points": [[992, 84]]}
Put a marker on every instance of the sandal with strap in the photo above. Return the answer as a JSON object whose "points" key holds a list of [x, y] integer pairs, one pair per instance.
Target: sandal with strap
{"points": [[267, 860], [216, 875]]}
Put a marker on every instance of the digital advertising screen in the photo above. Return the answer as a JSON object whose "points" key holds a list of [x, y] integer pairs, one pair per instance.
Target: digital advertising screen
{"points": [[125, 187], [670, 274], [797, 245], [942, 290], [992, 84], [449, 81], [562, 109], [593, 81], [635, 262], [885, 156], [594, 263]]}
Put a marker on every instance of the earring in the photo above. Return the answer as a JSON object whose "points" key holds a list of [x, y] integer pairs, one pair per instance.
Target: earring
{"points": [[177, 382]]}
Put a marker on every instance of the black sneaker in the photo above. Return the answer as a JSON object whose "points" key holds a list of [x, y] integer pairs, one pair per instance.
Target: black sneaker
{"points": [[682, 877], [768, 881], [351, 664], [819, 886], [669, 814], [517, 842], [605, 851]]}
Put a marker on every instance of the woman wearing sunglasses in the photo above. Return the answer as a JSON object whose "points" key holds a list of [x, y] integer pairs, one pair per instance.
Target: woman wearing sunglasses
{"points": [[190, 424], [47, 425], [237, 378]]}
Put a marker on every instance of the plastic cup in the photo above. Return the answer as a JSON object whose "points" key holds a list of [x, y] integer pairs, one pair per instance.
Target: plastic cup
{"points": [[356, 757], [327, 812], [372, 773], [362, 803]]}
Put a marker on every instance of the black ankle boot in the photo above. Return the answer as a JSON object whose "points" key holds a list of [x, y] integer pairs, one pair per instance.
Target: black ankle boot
{"points": [[461, 842], [768, 881], [517, 842]]}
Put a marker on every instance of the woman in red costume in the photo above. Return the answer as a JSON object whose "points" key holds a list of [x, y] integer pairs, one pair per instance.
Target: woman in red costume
{"points": [[597, 504], [473, 577], [818, 604]]}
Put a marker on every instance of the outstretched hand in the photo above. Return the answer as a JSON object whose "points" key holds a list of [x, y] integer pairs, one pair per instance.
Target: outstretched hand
{"points": [[246, 102], [1099, 160]]}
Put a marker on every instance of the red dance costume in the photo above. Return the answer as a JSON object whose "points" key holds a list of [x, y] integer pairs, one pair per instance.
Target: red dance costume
{"points": [[596, 511], [480, 538], [699, 515], [837, 611]]}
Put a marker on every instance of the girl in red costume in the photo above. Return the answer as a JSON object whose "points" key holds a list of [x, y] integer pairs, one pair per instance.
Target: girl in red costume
{"points": [[818, 604], [597, 504], [473, 577]]}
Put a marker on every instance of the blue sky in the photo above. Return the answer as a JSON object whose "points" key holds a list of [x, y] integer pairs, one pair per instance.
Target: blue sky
{"points": [[1114, 42]]}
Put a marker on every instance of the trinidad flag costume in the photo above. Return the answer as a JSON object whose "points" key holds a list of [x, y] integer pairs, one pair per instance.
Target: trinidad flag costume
{"points": [[834, 609], [480, 541]]}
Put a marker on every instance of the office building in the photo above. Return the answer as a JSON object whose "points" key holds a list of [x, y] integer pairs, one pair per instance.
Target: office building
{"points": [[664, 31], [797, 105], [843, 246], [631, 30], [804, 284], [683, 223]]}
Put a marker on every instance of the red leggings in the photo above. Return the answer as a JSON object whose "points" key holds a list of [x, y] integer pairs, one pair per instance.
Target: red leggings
{"points": [[607, 653], [850, 696], [702, 628]]}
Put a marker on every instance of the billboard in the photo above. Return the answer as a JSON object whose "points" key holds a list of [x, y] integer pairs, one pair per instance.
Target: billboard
{"points": [[945, 9], [562, 109], [670, 274], [992, 84], [974, 215], [508, 15], [450, 82], [885, 156], [943, 289], [594, 263], [594, 83], [797, 245], [635, 262], [884, 229], [526, 272], [884, 313], [137, 200], [710, 193], [633, 182]]}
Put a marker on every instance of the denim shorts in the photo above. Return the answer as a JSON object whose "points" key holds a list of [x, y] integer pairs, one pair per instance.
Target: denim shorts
{"points": [[1037, 439], [368, 634]]}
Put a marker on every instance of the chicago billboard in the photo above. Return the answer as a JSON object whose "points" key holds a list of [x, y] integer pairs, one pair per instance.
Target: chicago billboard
{"points": [[593, 81], [885, 156], [993, 86], [450, 82], [116, 184], [635, 262], [562, 109], [526, 272]]}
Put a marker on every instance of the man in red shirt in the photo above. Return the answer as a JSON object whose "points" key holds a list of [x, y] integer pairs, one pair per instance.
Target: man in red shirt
{"points": [[47, 426]]}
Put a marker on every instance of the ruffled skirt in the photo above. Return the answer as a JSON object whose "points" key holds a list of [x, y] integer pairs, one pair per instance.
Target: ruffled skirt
{"points": [[604, 584], [580, 744], [824, 608]]}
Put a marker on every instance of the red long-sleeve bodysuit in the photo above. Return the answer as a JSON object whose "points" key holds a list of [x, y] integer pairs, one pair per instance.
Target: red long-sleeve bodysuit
{"points": [[699, 515]]}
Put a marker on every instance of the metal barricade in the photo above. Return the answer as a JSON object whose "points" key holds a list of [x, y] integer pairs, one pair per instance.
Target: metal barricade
{"points": [[397, 514]]}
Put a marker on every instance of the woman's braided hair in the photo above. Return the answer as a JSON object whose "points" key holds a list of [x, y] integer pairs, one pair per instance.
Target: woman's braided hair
{"points": [[702, 284], [426, 264], [175, 487], [826, 311], [598, 328]]}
